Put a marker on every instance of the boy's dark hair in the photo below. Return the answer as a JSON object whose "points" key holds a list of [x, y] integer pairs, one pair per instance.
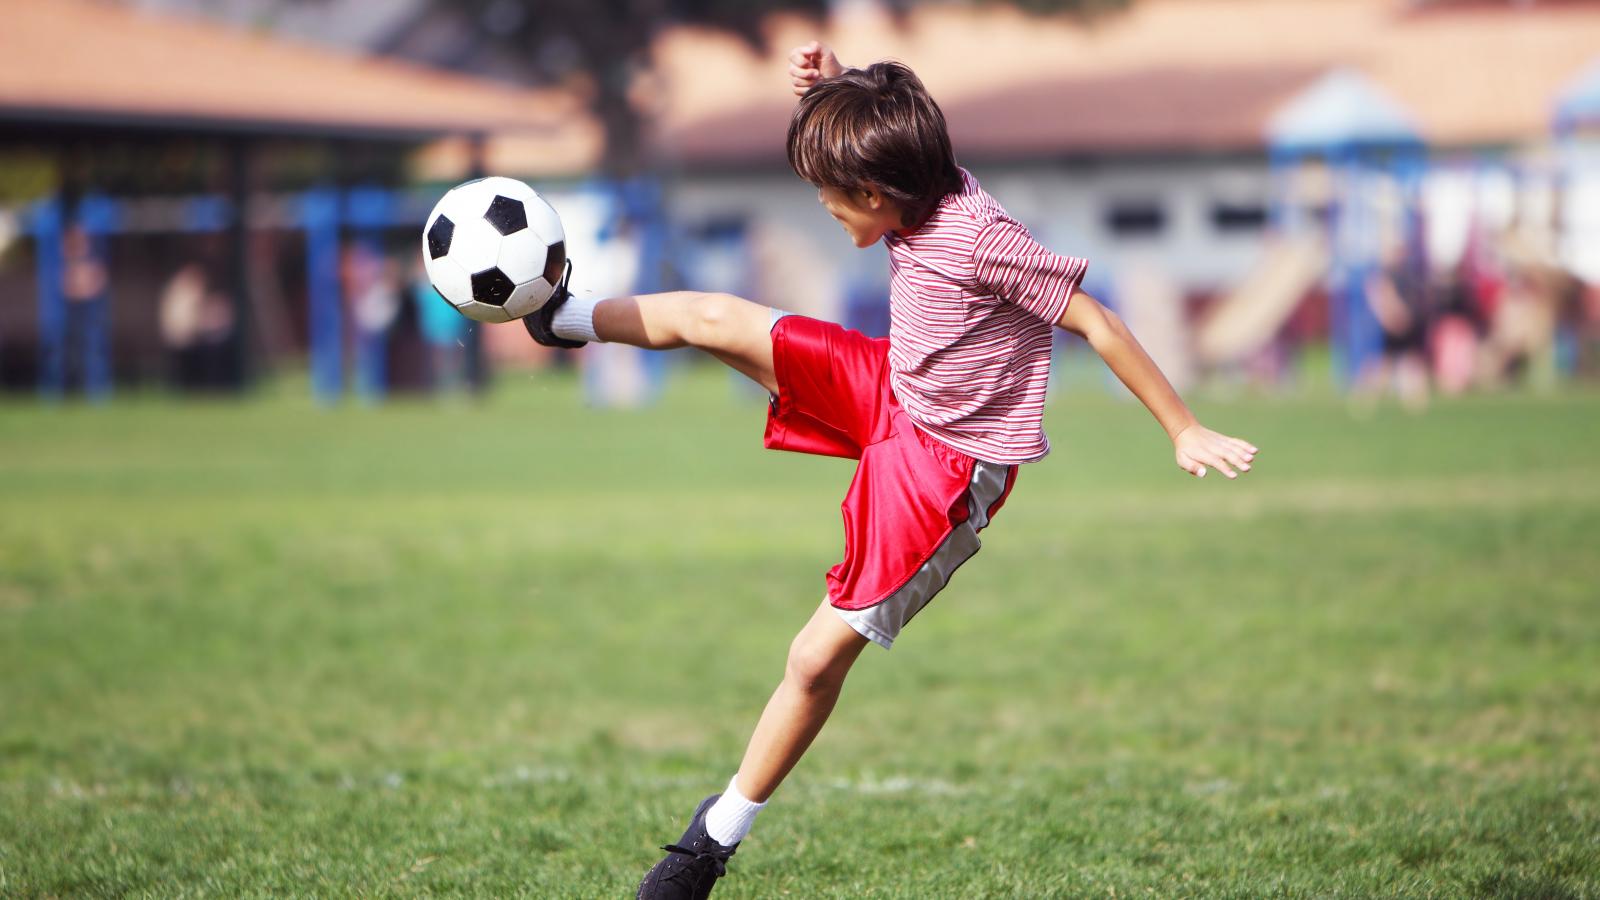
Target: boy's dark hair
{"points": [[875, 126]]}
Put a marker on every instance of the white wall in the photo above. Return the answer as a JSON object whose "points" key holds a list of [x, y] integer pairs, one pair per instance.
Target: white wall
{"points": [[1066, 208], [1067, 211]]}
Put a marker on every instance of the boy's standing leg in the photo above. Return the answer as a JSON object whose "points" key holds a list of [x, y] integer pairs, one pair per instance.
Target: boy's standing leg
{"points": [[819, 659], [737, 332]]}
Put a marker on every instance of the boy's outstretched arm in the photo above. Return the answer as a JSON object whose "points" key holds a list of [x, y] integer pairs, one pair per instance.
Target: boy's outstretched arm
{"points": [[1195, 445]]}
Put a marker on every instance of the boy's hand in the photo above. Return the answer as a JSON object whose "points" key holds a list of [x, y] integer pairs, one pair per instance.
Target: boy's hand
{"points": [[1198, 446], [810, 63]]}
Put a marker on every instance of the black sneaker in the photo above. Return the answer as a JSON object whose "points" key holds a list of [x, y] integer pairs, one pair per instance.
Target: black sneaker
{"points": [[539, 321], [692, 865]]}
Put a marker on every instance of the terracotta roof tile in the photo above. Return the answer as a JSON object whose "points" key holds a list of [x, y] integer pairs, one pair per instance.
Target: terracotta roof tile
{"points": [[83, 61], [1168, 75]]}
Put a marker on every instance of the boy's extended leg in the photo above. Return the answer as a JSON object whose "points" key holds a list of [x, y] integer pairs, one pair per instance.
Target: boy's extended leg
{"points": [[739, 333], [730, 328]]}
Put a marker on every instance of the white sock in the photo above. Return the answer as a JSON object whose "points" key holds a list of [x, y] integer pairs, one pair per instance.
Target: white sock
{"points": [[729, 819], [575, 319]]}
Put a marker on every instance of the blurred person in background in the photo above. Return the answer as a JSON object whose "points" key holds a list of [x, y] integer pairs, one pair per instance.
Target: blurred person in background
{"points": [[1458, 325], [215, 347], [1397, 294], [1571, 323], [84, 283], [1521, 341], [197, 330], [1524, 328], [371, 284], [444, 330], [182, 305], [1588, 362]]}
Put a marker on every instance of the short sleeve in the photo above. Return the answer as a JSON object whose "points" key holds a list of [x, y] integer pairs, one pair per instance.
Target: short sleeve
{"points": [[1013, 266]]}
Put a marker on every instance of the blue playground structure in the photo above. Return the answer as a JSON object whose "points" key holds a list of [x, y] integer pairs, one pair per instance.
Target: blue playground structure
{"points": [[1578, 107], [59, 336], [325, 214], [1366, 140], [1576, 125]]}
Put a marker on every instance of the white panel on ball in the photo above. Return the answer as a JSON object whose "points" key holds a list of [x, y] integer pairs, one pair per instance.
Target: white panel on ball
{"points": [[469, 202], [476, 244], [528, 297], [449, 279], [522, 256], [466, 202], [542, 218], [483, 312], [505, 187]]}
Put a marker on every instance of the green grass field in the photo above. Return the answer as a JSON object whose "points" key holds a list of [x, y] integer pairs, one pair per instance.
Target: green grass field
{"points": [[263, 649]]}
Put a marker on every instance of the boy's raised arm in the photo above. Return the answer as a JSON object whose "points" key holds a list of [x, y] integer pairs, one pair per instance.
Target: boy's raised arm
{"points": [[1195, 446]]}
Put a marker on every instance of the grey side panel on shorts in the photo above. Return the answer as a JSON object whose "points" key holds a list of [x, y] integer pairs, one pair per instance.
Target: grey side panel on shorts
{"points": [[881, 622]]}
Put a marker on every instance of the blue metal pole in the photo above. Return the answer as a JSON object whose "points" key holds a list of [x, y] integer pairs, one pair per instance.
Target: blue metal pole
{"points": [[1280, 166], [1346, 284], [99, 217], [1363, 336], [46, 225], [319, 211]]}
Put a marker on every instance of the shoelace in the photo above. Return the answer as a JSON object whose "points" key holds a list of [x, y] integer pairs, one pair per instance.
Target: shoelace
{"points": [[718, 862]]}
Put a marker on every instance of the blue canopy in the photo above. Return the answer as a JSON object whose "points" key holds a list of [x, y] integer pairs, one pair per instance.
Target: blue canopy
{"points": [[1578, 105], [1342, 110]]}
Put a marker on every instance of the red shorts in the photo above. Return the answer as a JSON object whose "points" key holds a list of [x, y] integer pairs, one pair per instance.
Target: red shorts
{"points": [[914, 510]]}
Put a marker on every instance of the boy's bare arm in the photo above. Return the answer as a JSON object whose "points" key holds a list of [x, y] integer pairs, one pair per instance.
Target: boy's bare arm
{"points": [[1195, 445]]}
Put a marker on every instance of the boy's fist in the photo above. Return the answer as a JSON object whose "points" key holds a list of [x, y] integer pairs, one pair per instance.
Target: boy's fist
{"points": [[810, 63]]}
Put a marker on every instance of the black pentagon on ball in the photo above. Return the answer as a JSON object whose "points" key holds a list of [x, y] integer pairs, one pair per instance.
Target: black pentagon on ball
{"points": [[491, 286], [507, 215], [439, 237], [554, 260]]}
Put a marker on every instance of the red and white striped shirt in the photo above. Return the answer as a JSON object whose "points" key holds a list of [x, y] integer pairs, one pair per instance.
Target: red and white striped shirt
{"points": [[972, 301]]}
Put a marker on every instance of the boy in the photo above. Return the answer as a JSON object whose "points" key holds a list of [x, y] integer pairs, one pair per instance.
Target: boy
{"points": [[940, 414]]}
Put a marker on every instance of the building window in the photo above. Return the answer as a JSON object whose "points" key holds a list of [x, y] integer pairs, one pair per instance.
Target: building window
{"points": [[1238, 216], [1136, 218]]}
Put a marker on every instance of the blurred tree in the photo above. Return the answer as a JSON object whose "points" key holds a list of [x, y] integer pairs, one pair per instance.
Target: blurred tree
{"points": [[26, 174], [602, 47]]}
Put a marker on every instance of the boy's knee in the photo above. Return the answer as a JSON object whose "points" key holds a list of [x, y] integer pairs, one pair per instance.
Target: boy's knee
{"points": [[815, 666]]}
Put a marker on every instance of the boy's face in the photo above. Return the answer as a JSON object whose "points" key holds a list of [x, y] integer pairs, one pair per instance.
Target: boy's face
{"points": [[865, 214]]}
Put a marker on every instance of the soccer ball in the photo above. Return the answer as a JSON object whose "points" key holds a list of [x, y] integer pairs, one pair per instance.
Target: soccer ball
{"points": [[494, 248]]}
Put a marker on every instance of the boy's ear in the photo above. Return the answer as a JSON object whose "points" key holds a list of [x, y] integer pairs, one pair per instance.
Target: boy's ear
{"points": [[872, 197]]}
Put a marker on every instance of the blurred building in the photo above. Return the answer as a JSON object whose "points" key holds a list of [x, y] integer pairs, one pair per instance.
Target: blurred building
{"points": [[1149, 139], [187, 153], [1142, 139]]}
